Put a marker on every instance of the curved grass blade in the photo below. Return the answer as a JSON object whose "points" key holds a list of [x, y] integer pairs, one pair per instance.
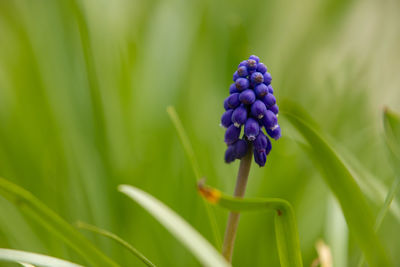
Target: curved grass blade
{"points": [[116, 238], [287, 237], [23, 257], [30, 205], [391, 123], [178, 227], [339, 179], [195, 167]]}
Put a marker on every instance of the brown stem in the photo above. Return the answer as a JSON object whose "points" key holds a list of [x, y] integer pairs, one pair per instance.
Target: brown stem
{"points": [[233, 220]]}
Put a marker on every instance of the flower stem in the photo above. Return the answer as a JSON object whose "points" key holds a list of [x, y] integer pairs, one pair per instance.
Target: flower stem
{"points": [[233, 220]]}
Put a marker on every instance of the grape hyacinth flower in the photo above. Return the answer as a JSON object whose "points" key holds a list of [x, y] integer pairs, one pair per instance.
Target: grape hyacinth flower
{"points": [[251, 104]]}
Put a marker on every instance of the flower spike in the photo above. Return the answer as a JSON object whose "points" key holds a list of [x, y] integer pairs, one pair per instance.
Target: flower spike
{"points": [[251, 104]]}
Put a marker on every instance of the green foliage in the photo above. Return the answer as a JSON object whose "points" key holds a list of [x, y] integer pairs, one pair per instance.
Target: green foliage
{"points": [[178, 227], [30, 205], [83, 90], [33, 258], [287, 237], [117, 239], [339, 179]]}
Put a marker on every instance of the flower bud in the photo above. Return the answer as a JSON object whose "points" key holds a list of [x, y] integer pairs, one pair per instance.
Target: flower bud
{"points": [[235, 76], [269, 100], [233, 100], [251, 65], [243, 63], [261, 90], [242, 84], [267, 78], [226, 119], [255, 58], [270, 89], [247, 97], [275, 132], [226, 106], [260, 158], [269, 120], [242, 71], [251, 129], [258, 109], [257, 78], [274, 109], [260, 143], [232, 88], [239, 116], [261, 68], [241, 147], [230, 155], [232, 134], [269, 146]]}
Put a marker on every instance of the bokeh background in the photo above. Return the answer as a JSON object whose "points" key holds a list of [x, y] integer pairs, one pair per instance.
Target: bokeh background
{"points": [[84, 87]]}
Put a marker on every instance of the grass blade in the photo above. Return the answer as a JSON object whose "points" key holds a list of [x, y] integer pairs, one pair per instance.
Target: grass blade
{"points": [[116, 238], [391, 123], [195, 167], [178, 227], [29, 204], [18, 256], [339, 179], [287, 236]]}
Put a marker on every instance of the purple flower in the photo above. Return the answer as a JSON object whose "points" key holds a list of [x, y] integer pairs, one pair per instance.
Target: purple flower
{"points": [[258, 109], [232, 88], [226, 106], [232, 134], [235, 76], [241, 147], [267, 78], [261, 90], [254, 57], [274, 109], [252, 104], [275, 132], [239, 116], [242, 71], [251, 65], [269, 100], [251, 129], [260, 143], [270, 89], [256, 78], [261, 68], [233, 100], [260, 157], [230, 154], [268, 147], [242, 84], [247, 97], [226, 119], [269, 120], [243, 63]]}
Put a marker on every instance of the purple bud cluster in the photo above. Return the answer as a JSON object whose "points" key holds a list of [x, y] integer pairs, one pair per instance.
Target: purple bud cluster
{"points": [[252, 106]]}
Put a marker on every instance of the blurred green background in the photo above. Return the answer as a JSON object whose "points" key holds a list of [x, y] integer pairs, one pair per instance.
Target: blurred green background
{"points": [[84, 87]]}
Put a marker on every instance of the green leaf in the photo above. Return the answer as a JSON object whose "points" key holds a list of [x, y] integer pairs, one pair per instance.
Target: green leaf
{"points": [[177, 226], [195, 167], [391, 123], [30, 205], [341, 182], [117, 239], [287, 237], [18, 256]]}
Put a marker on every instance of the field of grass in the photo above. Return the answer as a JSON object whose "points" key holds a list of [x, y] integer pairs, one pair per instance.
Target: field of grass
{"points": [[84, 91]]}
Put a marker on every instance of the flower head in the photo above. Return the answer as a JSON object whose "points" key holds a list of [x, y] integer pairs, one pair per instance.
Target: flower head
{"points": [[251, 104]]}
